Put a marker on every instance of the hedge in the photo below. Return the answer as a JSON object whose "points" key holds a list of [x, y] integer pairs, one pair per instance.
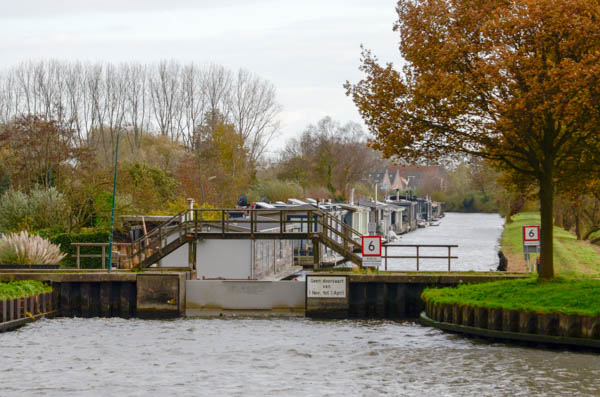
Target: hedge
{"points": [[21, 289], [64, 240]]}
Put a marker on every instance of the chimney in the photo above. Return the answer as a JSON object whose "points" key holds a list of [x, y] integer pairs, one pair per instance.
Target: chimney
{"points": [[352, 196]]}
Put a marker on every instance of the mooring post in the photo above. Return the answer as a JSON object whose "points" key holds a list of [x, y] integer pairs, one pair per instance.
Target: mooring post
{"points": [[417, 258]]}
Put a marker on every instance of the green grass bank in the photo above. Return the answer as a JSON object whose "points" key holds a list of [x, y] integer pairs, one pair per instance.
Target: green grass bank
{"points": [[572, 257], [22, 289], [562, 295]]}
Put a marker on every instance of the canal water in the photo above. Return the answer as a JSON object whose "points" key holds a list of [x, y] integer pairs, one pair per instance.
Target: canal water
{"points": [[277, 357], [477, 237], [288, 357]]}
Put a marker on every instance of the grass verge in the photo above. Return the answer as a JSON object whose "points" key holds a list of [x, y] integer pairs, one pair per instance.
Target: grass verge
{"points": [[21, 289], [572, 257], [561, 295]]}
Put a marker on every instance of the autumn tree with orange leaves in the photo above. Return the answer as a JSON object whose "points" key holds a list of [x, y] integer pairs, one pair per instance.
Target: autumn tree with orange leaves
{"points": [[513, 81]]}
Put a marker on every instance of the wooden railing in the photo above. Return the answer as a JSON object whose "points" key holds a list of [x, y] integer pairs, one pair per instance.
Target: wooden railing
{"points": [[418, 255], [248, 223], [103, 255]]}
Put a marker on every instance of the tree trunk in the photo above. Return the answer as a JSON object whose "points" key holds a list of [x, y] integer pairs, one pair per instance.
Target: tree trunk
{"points": [[578, 223], [546, 195], [558, 213]]}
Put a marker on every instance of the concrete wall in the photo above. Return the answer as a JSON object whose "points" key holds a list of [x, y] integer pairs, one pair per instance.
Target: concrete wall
{"points": [[224, 259], [235, 258], [177, 258], [244, 295]]}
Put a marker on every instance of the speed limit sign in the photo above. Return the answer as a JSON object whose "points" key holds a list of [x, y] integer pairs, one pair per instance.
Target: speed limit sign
{"points": [[371, 245], [531, 235]]}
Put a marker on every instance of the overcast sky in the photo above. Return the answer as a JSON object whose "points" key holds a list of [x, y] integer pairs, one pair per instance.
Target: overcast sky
{"points": [[307, 49]]}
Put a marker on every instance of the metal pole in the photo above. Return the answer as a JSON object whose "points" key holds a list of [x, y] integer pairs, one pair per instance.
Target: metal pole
{"points": [[112, 218], [386, 256], [417, 258]]}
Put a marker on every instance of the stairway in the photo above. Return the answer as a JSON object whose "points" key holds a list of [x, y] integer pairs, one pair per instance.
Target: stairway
{"points": [[191, 225]]}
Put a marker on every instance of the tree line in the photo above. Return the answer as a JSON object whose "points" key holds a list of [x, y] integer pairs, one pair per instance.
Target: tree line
{"points": [[185, 132], [97, 100]]}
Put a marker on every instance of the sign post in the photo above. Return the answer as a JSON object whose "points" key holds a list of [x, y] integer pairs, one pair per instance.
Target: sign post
{"points": [[531, 243], [371, 251]]}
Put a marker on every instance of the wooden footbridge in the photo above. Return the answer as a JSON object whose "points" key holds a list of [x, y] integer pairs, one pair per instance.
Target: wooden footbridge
{"points": [[254, 224]]}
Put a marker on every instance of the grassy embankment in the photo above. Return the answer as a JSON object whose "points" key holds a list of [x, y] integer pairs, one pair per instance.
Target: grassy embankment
{"points": [[22, 289], [572, 258], [575, 262], [568, 296]]}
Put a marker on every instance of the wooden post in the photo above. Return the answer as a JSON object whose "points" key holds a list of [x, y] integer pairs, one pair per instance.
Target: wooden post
{"points": [[160, 240], [104, 257], [223, 222], [192, 254], [316, 252], [78, 261], [179, 226], [195, 247], [449, 248], [346, 238], [281, 230]]}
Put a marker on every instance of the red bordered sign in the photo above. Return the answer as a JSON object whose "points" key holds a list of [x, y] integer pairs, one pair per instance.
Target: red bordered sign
{"points": [[531, 234], [371, 245]]}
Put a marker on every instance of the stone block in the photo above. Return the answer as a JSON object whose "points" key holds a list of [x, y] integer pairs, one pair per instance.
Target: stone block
{"points": [[160, 295]]}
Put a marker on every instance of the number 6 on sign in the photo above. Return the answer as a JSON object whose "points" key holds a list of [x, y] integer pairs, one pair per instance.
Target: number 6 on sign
{"points": [[371, 245], [531, 235]]}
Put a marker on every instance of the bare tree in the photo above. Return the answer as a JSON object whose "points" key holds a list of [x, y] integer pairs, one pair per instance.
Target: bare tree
{"points": [[137, 102], [194, 103], [97, 100], [254, 111], [164, 92]]}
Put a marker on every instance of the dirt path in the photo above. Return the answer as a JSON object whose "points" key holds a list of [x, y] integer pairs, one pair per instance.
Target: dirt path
{"points": [[516, 262]]}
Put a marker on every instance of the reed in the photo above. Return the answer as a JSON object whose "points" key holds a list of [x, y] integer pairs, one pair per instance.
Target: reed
{"points": [[28, 249]]}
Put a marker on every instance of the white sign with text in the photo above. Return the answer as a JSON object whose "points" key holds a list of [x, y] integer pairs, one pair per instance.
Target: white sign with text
{"points": [[371, 261], [325, 287]]}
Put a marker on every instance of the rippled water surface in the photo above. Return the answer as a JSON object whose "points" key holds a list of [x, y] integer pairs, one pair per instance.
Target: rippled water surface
{"points": [[291, 357], [277, 357], [477, 237]]}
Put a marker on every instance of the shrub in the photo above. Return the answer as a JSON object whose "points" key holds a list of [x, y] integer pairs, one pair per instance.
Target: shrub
{"points": [[41, 208], [64, 240], [48, 208], [14, 210], [25, 249], [21, 289], [275, 190]]}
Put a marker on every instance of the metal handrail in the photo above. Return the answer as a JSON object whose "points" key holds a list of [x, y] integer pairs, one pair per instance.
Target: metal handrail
{"points": [[417, 256]]}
